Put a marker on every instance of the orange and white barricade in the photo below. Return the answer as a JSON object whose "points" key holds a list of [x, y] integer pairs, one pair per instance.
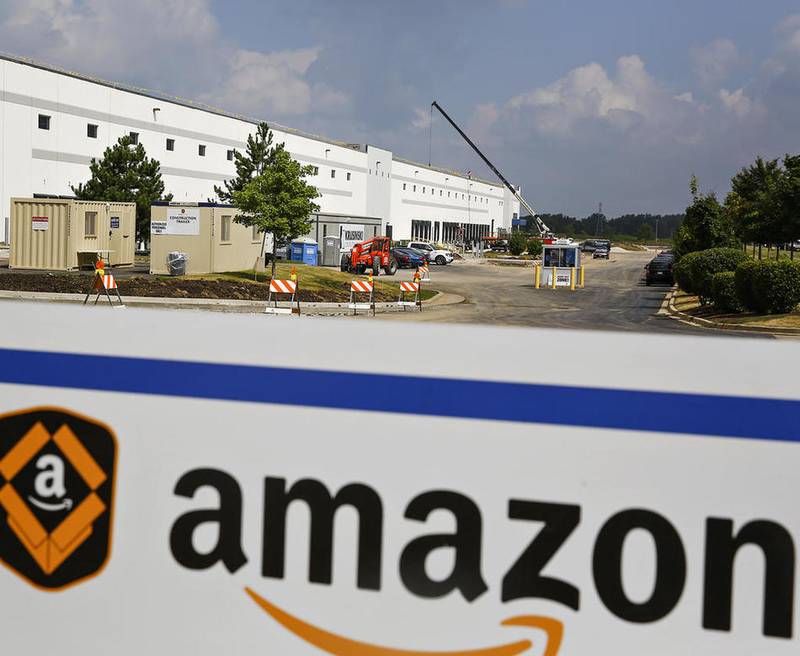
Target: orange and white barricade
{"points": [[362, 287], [103, 282], [409, 288], [425, 273], [282, 288]]}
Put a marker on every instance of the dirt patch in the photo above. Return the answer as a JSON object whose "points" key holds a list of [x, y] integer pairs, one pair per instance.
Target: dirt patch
{"points": [[66, 283]]}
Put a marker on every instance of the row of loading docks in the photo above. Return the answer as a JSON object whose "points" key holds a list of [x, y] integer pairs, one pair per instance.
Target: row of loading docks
{"points": [[55, 234]]}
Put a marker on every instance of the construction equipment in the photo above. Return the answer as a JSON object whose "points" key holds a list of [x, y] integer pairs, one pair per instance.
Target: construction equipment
{"points": [[375, 254], [544, 231]]}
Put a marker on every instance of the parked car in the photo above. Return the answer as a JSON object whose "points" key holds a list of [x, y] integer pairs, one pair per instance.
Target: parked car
{"points": [[435, 255], [659, 270], [590, 245], [600, 252], [408, 258]]}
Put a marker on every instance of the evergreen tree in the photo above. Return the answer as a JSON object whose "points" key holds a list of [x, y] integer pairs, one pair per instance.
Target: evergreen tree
{"points": [[259, 153], [126, 174], [706, 225]]}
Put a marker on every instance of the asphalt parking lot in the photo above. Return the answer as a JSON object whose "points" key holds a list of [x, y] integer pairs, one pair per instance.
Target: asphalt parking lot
{"points": [[615, 298]]}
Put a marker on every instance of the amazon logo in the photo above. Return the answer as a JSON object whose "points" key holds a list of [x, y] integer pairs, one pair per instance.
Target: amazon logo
{"points": [[552, 526], [56, 496]]}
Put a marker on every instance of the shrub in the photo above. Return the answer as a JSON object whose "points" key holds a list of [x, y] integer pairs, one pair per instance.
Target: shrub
{"points": [[517, 243], [723, 292], [745, 292], [684, 274], [534, 247], [769, 287], [709, 262]]}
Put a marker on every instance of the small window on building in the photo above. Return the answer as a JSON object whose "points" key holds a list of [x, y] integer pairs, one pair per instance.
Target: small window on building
{"points": [[333, 173], [404, 186], [134, 138], [256, 233], [315, 170], [44, 122], [170, 144], [230, 155], [225, 232], [448, 194], [441, 192], [90, 224], [415, 188], [91, 131], [348, 176], [201, 150]]}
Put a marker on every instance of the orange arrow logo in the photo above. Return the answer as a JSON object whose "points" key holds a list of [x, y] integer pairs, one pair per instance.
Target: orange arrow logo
{"points": [[341, 646]]}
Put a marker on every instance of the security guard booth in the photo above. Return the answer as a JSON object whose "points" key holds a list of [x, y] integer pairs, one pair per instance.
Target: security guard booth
{"points": [[62, 234], [561, 264]]}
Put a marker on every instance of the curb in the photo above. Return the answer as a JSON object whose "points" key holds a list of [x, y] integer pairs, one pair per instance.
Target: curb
{"points": [[720, 325], [440, 299]]}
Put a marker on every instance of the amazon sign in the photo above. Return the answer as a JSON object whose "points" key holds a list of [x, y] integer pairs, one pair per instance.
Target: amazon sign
{"points": [[276, 500]]}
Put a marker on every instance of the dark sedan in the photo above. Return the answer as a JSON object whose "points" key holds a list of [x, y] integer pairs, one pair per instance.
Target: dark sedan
{"points": [[660, 270], [408, 258]]}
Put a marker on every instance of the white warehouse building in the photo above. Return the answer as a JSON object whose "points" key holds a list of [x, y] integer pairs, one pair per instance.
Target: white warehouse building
{"points": [[52, 122]]}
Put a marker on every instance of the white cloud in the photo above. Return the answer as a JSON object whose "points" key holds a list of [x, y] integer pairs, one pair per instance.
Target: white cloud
{"points": [[686, 97], [176, 45], [789, 32], [714, 63], [589, 93], [738, 103], [422, 119]]}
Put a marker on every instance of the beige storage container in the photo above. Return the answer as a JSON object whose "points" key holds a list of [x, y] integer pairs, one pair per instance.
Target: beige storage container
{"points": [[55, 234], [208, 235]]}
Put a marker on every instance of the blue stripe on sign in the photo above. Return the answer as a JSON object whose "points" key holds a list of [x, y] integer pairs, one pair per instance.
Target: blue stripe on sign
{"points": [[697, 414]]}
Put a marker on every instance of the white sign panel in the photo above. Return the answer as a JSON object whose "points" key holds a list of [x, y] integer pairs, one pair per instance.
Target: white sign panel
{"points": [[180, 221], [160, 497], [351, 235], [40, 222]]}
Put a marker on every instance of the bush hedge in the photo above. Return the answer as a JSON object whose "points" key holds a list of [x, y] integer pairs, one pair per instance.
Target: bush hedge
{"points": [[723, 292], [745, 291], [534, 247], [769, 287], [517, 243], [683, 272], [709, 262]]}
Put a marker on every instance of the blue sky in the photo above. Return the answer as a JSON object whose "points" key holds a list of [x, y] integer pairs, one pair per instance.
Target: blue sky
{"points": [[580, 102]]}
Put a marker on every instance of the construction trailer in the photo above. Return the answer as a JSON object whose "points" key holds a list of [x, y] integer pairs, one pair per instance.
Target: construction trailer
{"points": [[207, 234], [63, 234]]}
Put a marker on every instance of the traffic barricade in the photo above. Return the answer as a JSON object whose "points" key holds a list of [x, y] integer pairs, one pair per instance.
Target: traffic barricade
{"points": [[425, 273], [278, 288], [103, 282], [362, 287], [409, 288]]}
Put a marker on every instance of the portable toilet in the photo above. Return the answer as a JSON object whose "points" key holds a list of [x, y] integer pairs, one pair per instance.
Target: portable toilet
{"points": [[561, 262], [304, 250], [330, 251]]}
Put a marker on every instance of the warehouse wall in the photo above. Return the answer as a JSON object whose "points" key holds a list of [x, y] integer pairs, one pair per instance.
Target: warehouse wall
{"points": [[38, 161]]}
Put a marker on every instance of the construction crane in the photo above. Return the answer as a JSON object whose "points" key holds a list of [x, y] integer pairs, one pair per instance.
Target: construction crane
{"points": [[544, 231]]}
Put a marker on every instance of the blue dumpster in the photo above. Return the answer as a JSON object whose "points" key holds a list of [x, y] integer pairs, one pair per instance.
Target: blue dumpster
{"points": [[305, 250]]}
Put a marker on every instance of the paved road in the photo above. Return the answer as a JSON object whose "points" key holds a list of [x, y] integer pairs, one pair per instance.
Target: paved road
{"points": [[615, 298]]}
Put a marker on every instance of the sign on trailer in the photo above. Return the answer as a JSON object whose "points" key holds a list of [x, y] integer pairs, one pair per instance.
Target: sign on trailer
{"points": [[40, 222], [180, 221], [160, 496]]}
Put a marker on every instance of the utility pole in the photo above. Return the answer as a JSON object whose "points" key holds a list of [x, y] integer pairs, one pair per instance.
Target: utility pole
{"points": [[599, 227]]}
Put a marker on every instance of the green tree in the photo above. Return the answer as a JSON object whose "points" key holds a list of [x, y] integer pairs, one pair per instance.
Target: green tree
{"points": [[278, 200], [517, 243], [645, 232], [126, 174], [706, 225], [789, 198], [754, 202], [534, 247], [259, 153]]}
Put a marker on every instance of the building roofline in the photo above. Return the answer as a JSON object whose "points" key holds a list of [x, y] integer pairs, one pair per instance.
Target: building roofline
{"points": [[191, 104]]}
